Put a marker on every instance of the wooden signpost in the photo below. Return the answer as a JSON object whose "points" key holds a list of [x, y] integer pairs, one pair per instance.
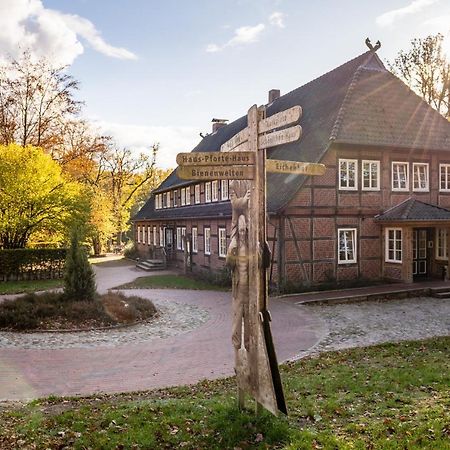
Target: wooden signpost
{"points": [[242, 159]]}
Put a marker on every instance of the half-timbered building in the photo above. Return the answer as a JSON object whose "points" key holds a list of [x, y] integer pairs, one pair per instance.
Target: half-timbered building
{"points": [[380, 211]]}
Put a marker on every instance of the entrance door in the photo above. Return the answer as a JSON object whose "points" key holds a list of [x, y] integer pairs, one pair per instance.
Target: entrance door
{"points": [[420, 253], [168, 241]]}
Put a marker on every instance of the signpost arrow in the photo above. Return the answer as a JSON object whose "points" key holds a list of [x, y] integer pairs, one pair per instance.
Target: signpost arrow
{"points": [[280, 119], [279, 137], [216, 158], [278, 166], [216, 172], [236, 140]]}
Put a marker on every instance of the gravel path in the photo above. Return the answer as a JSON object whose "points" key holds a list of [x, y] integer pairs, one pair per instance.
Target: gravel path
{"points": [[374, 322]]}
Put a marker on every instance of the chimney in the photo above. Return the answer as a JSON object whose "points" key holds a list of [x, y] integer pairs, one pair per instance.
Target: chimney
{"points": [[273, 95], [218, 123]]}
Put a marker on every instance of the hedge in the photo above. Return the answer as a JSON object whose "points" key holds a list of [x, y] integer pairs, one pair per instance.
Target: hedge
{"points": [[32, 263]]}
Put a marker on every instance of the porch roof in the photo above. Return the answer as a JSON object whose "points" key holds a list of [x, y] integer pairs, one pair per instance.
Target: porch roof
{"points": [[413, 210]]}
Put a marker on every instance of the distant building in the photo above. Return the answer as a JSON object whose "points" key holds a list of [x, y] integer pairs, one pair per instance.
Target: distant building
{"points": [[379, 211]]}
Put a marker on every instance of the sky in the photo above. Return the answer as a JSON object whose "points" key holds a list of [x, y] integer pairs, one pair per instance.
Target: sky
{"points": [[159, 71]]}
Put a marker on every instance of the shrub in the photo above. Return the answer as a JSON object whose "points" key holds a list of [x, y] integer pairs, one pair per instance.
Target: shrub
{"points": [[79, 278], [130, 251]]}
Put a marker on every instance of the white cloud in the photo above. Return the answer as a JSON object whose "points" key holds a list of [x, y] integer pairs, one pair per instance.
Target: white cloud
{"points": [[388, 18], [139, 138], [242, 36], [28, 25], [277, 19]]}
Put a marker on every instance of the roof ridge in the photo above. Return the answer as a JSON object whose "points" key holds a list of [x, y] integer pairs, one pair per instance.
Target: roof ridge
{"points": [[393, 207], [430, 204], [348, 94]]}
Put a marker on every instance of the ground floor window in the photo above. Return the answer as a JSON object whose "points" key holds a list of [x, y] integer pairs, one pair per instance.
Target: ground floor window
{"points": [[178, 238], [139, 234], [183, 236], [161, 237], [194, 240], [394, 245], [154, 236], [222, 242], [346, 245], [149, 236], [441, 243], [207, 236]]}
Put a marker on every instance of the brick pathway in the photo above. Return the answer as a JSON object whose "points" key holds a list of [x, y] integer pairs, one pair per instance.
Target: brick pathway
{"points": [[205, 352]]}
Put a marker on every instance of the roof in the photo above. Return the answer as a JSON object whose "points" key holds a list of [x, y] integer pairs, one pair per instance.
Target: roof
{"points": [[413, 210], [359, 102]]}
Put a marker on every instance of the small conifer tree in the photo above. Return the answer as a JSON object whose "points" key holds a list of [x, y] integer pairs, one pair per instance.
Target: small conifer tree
{"points": [[79, 278]]}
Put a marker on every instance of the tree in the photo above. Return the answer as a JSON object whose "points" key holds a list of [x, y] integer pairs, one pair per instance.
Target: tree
{"points": [[35, 196], [79, 278], [36, 101], [426, 69]]}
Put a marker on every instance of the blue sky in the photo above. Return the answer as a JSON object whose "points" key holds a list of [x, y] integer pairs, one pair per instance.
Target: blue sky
{"points": [[161, 70]]}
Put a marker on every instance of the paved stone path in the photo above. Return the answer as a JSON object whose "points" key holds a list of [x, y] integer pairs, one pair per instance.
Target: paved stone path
{"points": [[191, 340]]}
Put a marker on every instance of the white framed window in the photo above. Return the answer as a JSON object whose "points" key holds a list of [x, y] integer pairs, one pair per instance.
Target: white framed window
{"points": [[175, 198], [161, 237], [444, 177], [400, 176], [194, 240], [215, 191], [188, 195], [224, 190], [139, 234], [197, 194], [157, 201], [183, 235], [393, 245], [346, 245], [149, 235], [143, 234], [164, 200], [348, 174], [155, 239], [441, 243], [222, 242], [168, 194], [183, 196], [178, 238], [207, 238], [370, 175], [208, 192], [420, 177]]}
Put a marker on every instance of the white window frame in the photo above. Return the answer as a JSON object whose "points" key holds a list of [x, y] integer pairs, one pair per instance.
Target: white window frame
{"points": [[353, 232], [157, 201], [183, 197], [168, 199], [194, 240], [441, 234], [208, 192], [400, 189], [427, 174], [188, 195], [222, 233], [446, 168], [178, 238], [161, 237], [139, 234], [347, 161], [155, 238], [175, 198], [197, 198], [143, 234], [395, 240], [183, 234], [370, 162], [224, 190], [149, 235], [207, 240], [215, 191]]}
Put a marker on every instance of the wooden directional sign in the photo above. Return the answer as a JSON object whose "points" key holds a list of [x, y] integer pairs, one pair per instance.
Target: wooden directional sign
{"points": [[280, 137], [216, 172], [215, 158], [280, 119], [236, 140], [277, 166]]}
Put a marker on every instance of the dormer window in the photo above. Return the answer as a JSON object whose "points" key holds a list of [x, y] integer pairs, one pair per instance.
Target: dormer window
{"points": [[215, 190], [175, 198], [188, 195], [208, 192], [197, 194], [224, 190], [183, 196]]}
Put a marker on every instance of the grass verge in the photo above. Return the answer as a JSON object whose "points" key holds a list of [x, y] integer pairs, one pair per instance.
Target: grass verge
{"points": [[171, 282], [393, 396], [20, 287], [50, 310]]}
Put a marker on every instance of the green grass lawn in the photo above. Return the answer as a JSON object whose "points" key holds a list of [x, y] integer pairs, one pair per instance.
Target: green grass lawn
{"points": [[171, 282], [385, 397], [19, 287]]}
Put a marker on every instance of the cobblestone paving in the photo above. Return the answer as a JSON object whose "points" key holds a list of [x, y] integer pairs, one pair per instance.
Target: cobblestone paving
{"points": [[173, 319], [374, 322]]}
